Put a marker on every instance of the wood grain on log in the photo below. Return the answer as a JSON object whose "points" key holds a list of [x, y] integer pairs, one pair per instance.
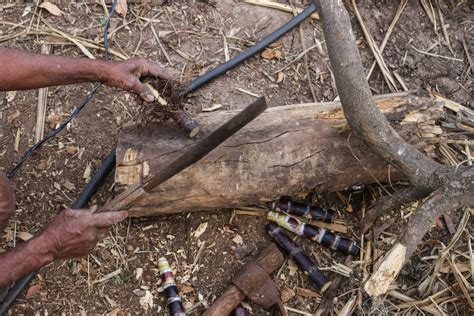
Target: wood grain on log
{"points": [[286, 151]]}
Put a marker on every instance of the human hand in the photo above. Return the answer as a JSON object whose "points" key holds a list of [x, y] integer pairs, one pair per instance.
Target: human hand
{"points": [[7, 200], [74, 233], [126, 75]]}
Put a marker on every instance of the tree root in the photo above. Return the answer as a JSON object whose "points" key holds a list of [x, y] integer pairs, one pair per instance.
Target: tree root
{"points": [[457, 192], [389, 202], [447, 188]]}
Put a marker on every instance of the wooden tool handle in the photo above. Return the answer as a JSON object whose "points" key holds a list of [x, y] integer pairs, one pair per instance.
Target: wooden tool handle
{"points": [[269, 259]]}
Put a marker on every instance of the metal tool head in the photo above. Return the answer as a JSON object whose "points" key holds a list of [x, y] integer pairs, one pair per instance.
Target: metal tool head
{"points": [[201, 149]]}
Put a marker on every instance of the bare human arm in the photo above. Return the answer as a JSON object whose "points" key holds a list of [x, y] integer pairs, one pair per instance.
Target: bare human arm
{"points": [[72, 233], [23, 70]]}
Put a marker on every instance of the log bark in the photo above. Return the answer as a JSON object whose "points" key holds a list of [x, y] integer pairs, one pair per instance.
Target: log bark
{"points": [[288, 150]]}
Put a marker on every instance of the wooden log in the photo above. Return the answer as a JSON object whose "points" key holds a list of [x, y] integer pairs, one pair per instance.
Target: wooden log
{"points": [[287, 150]]}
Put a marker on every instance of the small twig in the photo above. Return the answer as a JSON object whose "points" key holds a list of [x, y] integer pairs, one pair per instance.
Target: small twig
{"points": [[375, 51], [435, 55], [161, 45], [400, 9]]}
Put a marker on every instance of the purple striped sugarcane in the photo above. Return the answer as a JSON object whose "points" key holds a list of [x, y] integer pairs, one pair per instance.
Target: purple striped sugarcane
{"points": [[299, 209], [169, 288], [320, 235], [303, 261]]}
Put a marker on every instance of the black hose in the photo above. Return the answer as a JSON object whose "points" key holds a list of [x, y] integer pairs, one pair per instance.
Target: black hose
{"points": [[249, 52], [107, 166], [81, 201], [109, 161]]}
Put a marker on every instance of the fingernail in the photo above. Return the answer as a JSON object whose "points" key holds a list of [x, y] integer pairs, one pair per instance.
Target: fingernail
{"points": [[149, 97]]}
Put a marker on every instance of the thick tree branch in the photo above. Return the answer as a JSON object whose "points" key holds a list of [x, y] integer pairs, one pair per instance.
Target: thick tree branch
{"points": [[359, 107], [450, 188]]}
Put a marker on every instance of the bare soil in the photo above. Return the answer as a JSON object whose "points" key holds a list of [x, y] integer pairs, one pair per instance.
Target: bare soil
{"points": [[192, 33]]}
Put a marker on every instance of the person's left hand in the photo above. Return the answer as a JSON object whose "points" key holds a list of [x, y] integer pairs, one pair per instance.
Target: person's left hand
{"points": [[126, 75]]}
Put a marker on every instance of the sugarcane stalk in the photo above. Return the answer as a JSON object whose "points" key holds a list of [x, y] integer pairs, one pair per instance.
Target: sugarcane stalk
{"points": [[240, 311], [174, 303], [303, 261], [185, 121], [320, 235], [300, 209]]}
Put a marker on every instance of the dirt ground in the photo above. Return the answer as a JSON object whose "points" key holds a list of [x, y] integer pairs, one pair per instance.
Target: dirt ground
{"points": [[193, 36]]}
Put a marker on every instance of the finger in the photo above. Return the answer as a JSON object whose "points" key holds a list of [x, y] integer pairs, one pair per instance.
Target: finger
{"points": [[142, 90], [156, 70], [106, 219], [89, 211]]}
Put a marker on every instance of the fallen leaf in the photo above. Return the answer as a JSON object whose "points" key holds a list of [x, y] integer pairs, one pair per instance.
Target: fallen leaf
{"points": [[184, 289], [68, 185], [292, 267], [212, 108], [71, 149], [267, 54], [238, 239], [306, 293], [200, 230], [280, 77], [122, 7], [271, 54], [286, 295], [51, 8], [147, 300], [34, 289]]}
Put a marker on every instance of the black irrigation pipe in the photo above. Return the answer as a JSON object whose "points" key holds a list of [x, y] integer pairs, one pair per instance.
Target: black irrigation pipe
{"points": [[249, 52], [109, 162]]}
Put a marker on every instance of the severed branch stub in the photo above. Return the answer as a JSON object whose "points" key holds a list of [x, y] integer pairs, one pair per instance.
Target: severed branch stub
{"points": [[446, 188]]}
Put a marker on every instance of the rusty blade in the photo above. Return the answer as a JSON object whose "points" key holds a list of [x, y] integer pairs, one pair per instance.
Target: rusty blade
{"points": [[191, 156], [206, 145]]}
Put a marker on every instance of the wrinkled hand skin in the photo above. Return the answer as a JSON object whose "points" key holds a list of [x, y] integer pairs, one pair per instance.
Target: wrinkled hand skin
{"points": [[71, 234], [7, 201], [75, 233], [126, 75], [22, 70]]}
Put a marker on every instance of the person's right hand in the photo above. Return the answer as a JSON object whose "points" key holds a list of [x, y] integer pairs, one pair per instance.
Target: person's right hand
{"points": [[74, 233]]}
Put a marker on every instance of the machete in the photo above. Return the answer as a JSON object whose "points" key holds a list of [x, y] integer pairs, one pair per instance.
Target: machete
{"points": [[191, 156]]}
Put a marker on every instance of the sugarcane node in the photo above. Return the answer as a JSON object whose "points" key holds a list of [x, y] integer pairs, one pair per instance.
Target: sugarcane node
{"points": [[303, 261], [317, 212], [314, 233], [173, 300]]}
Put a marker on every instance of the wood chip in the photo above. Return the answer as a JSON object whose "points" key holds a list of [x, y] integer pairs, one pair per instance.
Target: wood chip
{"points": [[200, 230]]}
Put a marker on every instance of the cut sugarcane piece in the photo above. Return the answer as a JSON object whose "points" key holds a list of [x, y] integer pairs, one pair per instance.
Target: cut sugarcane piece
{"points": [[300, 209], [303, 261], [174, 303], [320, 235]]}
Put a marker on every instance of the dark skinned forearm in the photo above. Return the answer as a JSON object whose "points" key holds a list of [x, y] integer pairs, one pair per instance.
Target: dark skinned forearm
{"points": [[22, 260], [23, 70]]}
